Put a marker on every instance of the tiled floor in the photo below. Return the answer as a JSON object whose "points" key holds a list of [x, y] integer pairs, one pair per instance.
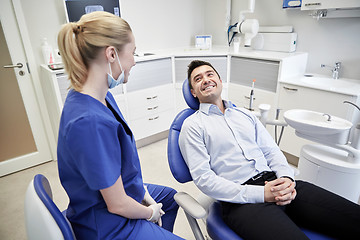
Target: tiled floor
{"points": [[12, 191]]}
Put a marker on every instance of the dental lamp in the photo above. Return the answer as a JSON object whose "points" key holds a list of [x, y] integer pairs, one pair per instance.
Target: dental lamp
{"points": [[247, 27]]}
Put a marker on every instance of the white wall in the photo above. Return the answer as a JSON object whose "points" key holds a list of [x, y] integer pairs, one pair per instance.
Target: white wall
{"points": [[326, 40], [163, 24], [43, 19], [157, 24]]}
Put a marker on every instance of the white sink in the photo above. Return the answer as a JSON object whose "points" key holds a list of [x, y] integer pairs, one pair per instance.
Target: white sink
{"points": [[310, 124], [328, 82]]}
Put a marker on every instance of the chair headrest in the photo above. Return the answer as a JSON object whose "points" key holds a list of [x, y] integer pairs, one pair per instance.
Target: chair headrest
{"points": [[191, 101]]}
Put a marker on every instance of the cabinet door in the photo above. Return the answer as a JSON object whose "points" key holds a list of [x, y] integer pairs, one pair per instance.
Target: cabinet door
{"points": [[240, 96], [244, 70], [63, 84], [150, 74], [150, 101], [181, 66], [151, 111], [296, 97]]}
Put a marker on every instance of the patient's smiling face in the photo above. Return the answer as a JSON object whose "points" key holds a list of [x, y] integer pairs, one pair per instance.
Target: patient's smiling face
{"points": [[206, 84]]}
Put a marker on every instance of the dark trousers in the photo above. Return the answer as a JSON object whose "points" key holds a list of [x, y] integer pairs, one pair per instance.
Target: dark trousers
{"points": [[313, 208]]}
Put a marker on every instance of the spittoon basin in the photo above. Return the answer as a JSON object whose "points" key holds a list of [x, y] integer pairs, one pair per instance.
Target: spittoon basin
{"points": [[316, 123]]}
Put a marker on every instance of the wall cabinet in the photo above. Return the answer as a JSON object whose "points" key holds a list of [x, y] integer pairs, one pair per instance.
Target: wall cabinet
{"points": [[298, 97], [329, 4]]}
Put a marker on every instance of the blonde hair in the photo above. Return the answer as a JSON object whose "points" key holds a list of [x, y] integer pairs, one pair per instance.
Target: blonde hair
{"points": [[80, 42]]}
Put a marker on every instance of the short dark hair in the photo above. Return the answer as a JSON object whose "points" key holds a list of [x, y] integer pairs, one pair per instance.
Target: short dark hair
{"points": [[195, 64]]}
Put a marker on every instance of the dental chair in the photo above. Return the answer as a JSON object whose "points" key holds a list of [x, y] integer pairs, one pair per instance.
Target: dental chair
{"points": [[43, 219], [210, 210]]}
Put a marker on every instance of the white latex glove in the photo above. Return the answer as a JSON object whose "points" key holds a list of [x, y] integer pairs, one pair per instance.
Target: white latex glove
{"points": [[148, 201], [156, 213]]}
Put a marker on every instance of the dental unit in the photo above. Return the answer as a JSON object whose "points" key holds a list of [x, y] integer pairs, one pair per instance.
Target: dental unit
{"points": [[336, 161], [248, 28]]}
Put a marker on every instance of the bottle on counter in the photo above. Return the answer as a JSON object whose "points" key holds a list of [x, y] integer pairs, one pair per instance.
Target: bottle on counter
{"points": [[47, 52]]}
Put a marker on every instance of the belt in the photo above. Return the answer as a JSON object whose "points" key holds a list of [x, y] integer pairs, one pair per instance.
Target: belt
{"points": [[257, 176], [261, 177]]}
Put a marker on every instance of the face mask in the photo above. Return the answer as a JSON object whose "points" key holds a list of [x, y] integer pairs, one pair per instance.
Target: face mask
{"points": [[111, 81]]}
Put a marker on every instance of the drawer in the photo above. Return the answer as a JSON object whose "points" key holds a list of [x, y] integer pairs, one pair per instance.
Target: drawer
{"points": [[152, 124], [151, 97], [150, 110]]}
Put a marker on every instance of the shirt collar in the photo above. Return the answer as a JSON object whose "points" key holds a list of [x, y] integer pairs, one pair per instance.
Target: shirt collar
{"points": [[208, 108]]}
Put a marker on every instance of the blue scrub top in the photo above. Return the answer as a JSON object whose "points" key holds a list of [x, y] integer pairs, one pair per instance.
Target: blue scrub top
{"points": [[95, 147]]}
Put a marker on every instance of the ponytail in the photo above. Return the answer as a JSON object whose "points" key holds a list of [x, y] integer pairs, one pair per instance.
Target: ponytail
{"points": [[80, 42]]}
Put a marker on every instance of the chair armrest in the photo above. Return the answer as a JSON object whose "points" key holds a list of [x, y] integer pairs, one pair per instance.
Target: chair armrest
{"points": [[190, 205]]}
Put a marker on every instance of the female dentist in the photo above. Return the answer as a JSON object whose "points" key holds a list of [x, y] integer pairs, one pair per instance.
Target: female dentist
{"points": [[97, 157]]}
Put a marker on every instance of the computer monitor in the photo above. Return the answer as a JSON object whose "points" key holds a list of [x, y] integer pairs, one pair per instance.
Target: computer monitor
{"points": [[76, 8]]}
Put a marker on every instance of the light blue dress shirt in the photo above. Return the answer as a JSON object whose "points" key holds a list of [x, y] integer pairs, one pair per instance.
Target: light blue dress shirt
{"points": [[223, 151]]}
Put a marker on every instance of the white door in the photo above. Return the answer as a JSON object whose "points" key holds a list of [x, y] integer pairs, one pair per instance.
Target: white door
{"points": [[23, 141]]}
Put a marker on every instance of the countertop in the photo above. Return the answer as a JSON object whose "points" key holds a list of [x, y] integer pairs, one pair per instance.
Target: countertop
{"points": [[321, 82]]}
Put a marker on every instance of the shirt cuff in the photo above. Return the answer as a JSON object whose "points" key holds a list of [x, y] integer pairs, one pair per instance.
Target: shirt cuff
{"points": [[254, 194], [288, 178]]}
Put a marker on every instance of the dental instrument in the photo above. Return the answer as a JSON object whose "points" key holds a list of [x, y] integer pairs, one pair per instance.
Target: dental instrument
{"points": [[252, 95]]}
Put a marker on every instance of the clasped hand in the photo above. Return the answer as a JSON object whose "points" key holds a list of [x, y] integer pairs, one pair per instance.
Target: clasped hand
{"points": [[157, 212], [281, 191]]}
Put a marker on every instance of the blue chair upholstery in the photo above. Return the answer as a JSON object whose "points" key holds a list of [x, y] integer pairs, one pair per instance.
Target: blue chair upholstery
{"points": [[42, 217], [216, 227]]}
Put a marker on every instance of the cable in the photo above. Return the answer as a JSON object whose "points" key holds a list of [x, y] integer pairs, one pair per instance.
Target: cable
{"points": [[228, 33], [281, 133]]}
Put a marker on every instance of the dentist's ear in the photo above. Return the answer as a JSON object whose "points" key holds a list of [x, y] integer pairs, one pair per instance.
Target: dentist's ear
{"points": [[110, 53]]}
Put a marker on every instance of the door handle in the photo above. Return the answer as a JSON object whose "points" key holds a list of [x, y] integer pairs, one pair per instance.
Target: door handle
{"points": [[19, 65]]}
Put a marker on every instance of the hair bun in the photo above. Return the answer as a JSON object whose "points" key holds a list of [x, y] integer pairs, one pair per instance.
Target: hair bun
{"points": [[77, 28]]}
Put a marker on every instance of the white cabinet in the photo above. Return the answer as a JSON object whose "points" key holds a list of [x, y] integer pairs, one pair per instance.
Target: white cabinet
{"points": [[55, 86], [298, 97], [329, 4], [239, 95], [150, 97], [151, 110], [243, 71]]}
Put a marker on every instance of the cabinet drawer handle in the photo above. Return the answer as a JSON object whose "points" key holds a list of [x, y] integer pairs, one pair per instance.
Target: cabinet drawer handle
{"points": [[152, 108], [153, 97], [247, 97], [154, 118], [290, 89]]}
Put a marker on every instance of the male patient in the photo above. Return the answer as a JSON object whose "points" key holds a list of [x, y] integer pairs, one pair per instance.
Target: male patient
{"points": [[233, 159]]}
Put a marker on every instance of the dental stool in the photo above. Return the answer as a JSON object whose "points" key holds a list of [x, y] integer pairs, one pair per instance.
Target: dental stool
{"points": [[43, 219], [215, 226]]}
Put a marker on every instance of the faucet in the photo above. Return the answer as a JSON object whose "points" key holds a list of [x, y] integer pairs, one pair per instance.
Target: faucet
{"points": [[335, 70]]}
